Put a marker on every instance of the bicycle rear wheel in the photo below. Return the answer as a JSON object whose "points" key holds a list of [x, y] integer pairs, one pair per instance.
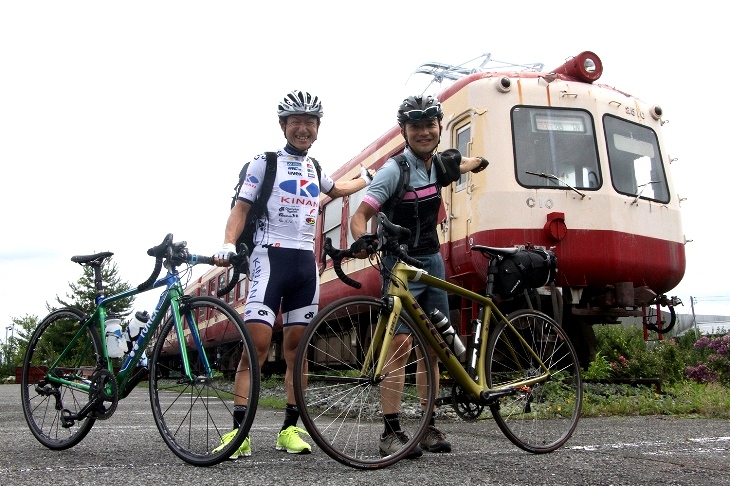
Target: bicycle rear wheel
{"points": [[193, 413], [538, 418], [342, 408], [45, 402]]}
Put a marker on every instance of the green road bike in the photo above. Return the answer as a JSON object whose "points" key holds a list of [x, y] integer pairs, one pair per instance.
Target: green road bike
{"points": [[69, 381]]}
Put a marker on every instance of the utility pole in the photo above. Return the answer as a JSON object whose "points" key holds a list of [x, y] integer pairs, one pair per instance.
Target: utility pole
{"points": [[692, 301]]}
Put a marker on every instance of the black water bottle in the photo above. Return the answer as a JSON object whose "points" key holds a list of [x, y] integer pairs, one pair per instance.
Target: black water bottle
{"points": [[447, 331]]}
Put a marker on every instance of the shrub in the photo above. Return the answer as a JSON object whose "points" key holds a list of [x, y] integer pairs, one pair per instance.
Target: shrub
{"points": [[714, 363], [630, 356]]}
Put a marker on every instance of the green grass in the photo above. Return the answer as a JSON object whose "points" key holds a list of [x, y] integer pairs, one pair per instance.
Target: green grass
{"points": [[683, 399]]}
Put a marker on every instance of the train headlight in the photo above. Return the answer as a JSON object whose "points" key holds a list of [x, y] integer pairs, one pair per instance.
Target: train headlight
{"points": [[586, 67], [504, 84], [656, 112]]}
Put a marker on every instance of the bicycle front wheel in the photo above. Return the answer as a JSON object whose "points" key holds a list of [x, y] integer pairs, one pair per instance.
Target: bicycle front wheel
{"points": [[45, 403], [193, 412], [342, 405], [542, 416]]}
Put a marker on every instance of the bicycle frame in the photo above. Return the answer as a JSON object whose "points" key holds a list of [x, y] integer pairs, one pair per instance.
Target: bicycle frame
{"points": [[399, 297], [169, 300]]}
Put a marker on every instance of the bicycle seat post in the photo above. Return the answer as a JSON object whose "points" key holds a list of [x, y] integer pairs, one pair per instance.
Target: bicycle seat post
{"points": [[98, 284], [491, 274]]}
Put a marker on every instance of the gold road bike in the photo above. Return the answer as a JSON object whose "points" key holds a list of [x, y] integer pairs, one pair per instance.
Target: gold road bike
{"points": [[520, 370]]}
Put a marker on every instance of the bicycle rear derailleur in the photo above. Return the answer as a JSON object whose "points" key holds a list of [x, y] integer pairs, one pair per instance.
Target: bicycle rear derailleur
{"points": [[103, 399]]}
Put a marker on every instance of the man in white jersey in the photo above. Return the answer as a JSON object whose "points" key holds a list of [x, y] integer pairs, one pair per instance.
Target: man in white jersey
{"points": [[283, 269]]}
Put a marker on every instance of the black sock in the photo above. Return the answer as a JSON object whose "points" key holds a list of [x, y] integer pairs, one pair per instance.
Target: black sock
{"points": [[432, 422], [291, 416], [239, 413], [392, 424]]}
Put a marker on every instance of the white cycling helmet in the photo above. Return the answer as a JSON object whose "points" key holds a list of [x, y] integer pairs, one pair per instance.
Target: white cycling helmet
{"points": [[300, 103]]}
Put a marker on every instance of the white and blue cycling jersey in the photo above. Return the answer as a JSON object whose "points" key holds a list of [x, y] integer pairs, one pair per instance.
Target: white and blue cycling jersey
{"points": [[294, 202]]}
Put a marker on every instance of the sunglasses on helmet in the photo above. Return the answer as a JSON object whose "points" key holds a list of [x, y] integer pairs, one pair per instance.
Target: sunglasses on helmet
{"points": [[429, 112]]}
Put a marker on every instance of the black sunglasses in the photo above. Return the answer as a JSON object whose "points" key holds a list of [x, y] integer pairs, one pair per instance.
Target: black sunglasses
{"points": [[429, 112]]}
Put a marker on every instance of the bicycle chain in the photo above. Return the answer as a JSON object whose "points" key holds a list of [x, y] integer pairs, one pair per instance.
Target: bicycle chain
{"points": [[464, 407], [98, 394]]}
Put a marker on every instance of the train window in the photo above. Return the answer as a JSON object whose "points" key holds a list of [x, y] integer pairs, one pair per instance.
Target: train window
{"points": [[463, 137], [353, 202], [211, 287], [332, 221], [635, 160], [555, 148], [232, 293], [221, 280]]}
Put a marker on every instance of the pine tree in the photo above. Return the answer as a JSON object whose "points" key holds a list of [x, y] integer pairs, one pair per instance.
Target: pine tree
{"points": [[83, 292]]}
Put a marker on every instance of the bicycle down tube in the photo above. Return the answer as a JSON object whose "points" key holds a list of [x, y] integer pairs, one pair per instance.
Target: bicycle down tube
{"points": [[434, 338]]}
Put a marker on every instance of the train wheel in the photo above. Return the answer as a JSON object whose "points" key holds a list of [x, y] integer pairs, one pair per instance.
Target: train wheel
{"points": [[339, 399], [193, 413], [539, 418]]}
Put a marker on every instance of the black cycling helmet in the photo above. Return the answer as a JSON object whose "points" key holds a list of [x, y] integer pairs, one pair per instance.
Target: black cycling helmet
{"points": [[415, 108], [300, 103]]}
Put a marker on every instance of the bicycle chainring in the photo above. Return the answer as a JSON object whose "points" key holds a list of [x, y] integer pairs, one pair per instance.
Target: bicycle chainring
{"points": [[463, 405], [104, 393]]}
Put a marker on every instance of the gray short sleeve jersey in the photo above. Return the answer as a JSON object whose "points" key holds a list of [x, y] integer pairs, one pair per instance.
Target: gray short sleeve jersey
{"points": [[385, 182]]}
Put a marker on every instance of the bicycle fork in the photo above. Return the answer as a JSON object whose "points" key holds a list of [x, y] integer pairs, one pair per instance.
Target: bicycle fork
{"points": [[384, 332]]}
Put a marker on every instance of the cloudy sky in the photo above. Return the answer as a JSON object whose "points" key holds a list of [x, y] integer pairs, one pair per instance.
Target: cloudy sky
{"points": [[122, 122]]}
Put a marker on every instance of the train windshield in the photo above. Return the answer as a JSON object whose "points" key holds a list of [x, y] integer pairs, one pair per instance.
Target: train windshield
{"points": [[635, 160], [555, 148]]}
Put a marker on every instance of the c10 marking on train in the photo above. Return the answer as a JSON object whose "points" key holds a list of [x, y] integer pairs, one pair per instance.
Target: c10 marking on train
{"points": [[539, 202]]}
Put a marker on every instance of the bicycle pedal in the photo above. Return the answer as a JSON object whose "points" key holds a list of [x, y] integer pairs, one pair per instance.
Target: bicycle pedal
{"points": [[67, 420], [444, 401]]}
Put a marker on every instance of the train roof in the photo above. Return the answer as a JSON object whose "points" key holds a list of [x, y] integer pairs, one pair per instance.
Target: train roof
{"points": [[586, 67]]}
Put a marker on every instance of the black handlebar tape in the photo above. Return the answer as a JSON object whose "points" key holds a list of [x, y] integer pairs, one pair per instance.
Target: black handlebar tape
{"points": [[234, 280], [410, 260], [205, 260], [155, 273], [159, 250], [337, 265]]}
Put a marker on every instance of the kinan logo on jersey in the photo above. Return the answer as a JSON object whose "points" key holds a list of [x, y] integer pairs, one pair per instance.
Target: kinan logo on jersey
{"points": [[300, 187]]}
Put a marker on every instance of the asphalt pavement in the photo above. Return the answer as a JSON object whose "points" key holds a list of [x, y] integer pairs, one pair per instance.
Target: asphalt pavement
{"points": [[127, 449]]}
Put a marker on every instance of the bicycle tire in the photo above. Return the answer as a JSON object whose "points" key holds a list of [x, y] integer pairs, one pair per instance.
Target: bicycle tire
{"points": [[540, 418], [341, 410], [44, 401], [193, 415]]}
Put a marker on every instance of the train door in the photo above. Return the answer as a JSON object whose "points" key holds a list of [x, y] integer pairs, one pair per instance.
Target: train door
{"points": [[457, 217]]}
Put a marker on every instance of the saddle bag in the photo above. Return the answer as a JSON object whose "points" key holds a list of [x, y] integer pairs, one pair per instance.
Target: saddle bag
{"points": [[526, 269]]}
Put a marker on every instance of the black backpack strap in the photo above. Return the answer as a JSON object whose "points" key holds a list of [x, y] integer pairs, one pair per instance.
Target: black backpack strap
{"points": [[268, 185], [237, 189], [319, 170], [403, 185]]}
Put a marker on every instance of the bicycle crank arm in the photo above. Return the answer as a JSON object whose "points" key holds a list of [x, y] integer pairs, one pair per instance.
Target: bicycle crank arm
{"points": [[488, 397]]}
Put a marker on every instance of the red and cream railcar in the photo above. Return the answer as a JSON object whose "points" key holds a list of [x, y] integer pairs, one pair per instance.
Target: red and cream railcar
{"points": [[575, 166]]}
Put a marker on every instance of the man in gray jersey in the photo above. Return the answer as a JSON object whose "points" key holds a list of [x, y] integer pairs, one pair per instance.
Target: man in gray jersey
{"points": [[420, 120]]}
